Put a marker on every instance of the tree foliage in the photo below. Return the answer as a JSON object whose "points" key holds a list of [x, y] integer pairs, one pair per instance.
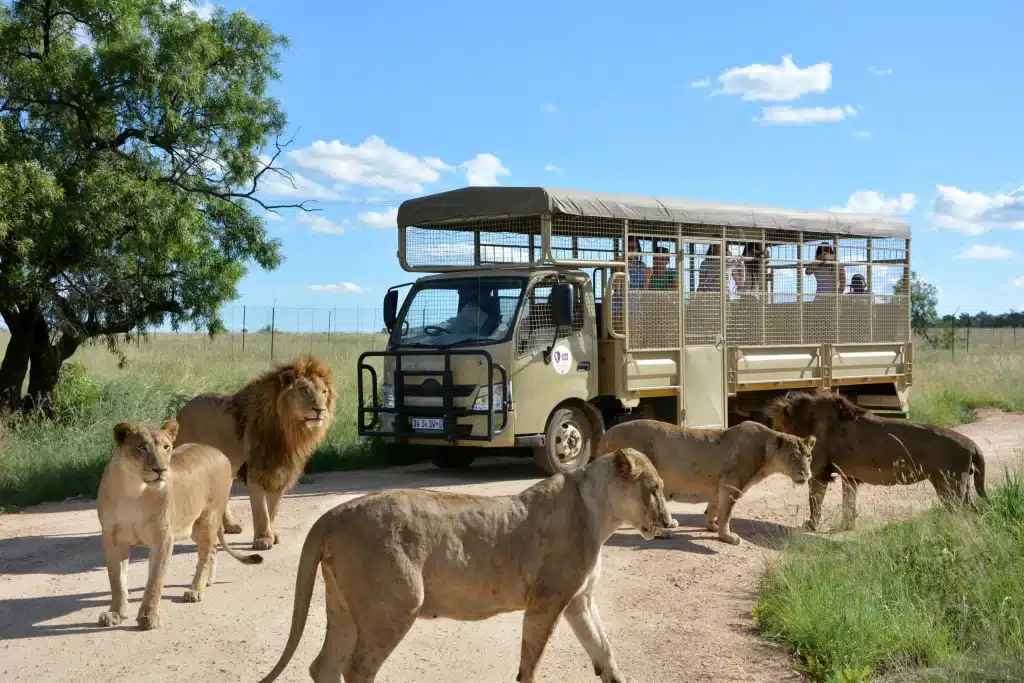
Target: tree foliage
{"points": [[132, 138]]}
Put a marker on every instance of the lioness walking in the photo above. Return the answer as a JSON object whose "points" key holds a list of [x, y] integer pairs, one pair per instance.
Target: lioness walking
{"points": [[716, 466], [151, 496], [392, 557]]}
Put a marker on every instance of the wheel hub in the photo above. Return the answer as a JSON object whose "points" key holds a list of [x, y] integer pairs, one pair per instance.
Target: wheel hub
{"points": [[568, 442]]}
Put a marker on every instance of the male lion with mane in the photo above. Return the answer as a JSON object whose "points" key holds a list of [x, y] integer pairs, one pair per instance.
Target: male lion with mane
{"points": [[392, 557], [152, 496], [716, 466], [268, 429], [864, 448]]}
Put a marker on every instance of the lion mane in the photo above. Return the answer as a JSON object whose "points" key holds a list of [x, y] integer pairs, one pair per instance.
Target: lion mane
{"points": [[280, 444]]}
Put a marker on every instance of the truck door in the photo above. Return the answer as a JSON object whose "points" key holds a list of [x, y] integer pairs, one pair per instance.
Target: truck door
{"points": [[705, 391], [541, 382]]}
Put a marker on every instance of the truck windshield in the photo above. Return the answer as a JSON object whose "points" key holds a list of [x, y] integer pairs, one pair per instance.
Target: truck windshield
{"points": [[442, 313]]}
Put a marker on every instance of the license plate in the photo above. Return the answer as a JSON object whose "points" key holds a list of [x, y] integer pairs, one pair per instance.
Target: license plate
{"points": [[428, 424]]}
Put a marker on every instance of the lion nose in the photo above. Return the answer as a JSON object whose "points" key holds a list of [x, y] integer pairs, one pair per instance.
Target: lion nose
{"points": [[159, 469]]}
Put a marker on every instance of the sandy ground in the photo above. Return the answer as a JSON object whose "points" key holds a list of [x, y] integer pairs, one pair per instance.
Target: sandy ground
{"points": [[676, 609]]}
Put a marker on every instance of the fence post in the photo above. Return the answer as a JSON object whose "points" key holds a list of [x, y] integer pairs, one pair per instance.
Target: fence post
{"points": [[1014, 335], [359, 334], [967, 349], [952, 337], [243, 327], [328, 327], [273, 313], [312, 326]]}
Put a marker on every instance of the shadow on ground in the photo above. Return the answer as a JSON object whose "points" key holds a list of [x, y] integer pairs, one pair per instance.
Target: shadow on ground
{"points": [[691, 528]]}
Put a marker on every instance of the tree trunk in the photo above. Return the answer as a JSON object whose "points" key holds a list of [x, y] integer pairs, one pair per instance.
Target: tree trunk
{"points": [[14, 366], [47, 358]]}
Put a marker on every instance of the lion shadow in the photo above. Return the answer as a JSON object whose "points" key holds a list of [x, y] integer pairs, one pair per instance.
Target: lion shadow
{"points": [[73, 554], [756, 532], [28, 617]]}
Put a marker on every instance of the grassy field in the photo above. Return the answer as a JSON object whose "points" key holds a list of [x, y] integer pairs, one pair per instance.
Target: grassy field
{"points": [[52, 461], [936, 598]]}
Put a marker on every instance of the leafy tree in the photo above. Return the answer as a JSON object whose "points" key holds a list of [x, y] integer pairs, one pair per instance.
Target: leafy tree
{"points": [[131, 138], [924, 300]]}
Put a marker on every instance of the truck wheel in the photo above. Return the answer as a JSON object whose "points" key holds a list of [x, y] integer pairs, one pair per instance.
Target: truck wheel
{"points": [[452, 458], [566, 442]]}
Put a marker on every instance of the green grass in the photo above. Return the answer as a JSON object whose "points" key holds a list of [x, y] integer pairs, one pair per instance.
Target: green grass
{"points": [[46, 461], [948, 389], [943, 593]]}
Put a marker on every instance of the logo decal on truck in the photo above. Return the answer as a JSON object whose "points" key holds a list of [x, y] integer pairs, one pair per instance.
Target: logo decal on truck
{"points": [[561, 359]]}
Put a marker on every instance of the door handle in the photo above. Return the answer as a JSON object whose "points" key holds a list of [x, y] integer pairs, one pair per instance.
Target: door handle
{"points": [[583, 366]]}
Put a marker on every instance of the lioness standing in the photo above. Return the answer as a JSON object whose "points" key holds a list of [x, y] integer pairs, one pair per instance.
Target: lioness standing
{"points": [[392, 557], [152, 496], [716, 466]]}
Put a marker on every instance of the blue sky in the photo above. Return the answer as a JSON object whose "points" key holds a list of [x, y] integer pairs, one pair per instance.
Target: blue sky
{"points": [[913, 110]]}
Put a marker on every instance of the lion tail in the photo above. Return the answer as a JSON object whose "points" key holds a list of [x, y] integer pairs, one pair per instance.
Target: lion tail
{"points": [[978, 460], [253, 558], [309, 559]]}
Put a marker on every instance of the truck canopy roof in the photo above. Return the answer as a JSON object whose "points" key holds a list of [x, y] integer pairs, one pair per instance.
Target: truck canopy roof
{"points": [[469, 203]]}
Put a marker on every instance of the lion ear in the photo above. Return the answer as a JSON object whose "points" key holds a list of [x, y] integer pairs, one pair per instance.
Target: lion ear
{"points": [[122, 431], [625, 466], [286, 377], [810, 441], [171, 427]]}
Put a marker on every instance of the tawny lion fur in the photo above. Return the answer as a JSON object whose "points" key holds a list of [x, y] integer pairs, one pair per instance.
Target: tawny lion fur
{"points": [[152, 496], [716, 466], [864, 448], [392, 557], [268, 429]]}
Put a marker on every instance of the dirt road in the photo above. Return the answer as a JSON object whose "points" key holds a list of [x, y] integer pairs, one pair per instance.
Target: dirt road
{"points": [[676, 609]]}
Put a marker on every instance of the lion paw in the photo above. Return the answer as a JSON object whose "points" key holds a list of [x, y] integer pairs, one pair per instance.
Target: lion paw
{"points": [[148, 622], [711, 526], [193, 596], [234, 528], [263, 543], [111, 619], [277, 538], [810, 525], [732, 539]]}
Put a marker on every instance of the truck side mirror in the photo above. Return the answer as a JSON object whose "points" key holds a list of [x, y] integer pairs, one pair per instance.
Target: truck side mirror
{"points": [[390, 308], [561, 301]]}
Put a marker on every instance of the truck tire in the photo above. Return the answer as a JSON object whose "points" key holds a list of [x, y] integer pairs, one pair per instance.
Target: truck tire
{"points": [[567, 442], [452, 458]]}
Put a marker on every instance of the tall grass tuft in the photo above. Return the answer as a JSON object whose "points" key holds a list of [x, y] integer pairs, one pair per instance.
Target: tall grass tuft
{"points": [[940, 597]]}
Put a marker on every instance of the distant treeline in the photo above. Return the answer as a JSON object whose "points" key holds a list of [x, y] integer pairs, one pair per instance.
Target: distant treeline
{"points": [[983, 319]]}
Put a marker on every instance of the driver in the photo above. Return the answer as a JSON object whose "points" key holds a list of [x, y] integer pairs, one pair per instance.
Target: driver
{"points": [[472, 315]]}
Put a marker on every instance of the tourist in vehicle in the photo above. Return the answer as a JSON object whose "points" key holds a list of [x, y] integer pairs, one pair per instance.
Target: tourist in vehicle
{"points": [[638, 272], [708, 272], [750, 280], [662, 277], [858, 285], [830, 277]]}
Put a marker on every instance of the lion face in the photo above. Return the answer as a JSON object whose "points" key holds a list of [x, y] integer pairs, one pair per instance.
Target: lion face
{"points": [[145, 451], [791, 455], [307, 399], [640, 493]]}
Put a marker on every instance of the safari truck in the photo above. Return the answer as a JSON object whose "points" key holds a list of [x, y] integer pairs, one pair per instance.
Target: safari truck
{"points": [[534, 302]]}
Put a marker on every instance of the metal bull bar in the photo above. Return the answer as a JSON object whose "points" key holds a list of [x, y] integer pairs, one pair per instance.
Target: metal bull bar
{"points": [[447, 411]]}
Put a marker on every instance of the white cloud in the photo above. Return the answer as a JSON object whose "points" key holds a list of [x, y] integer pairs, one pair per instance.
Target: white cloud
{"points": [[1019, 282], [984, 252], [799, 116], [870, 201], [551, 168], [879, 72], [548, 108], [863, 134], [484, 169], [320, 224], [974, 212], [203, 9], [270, 216], [343, 287], [776, 82], [380, 219], [702, 83], [373, 163]]}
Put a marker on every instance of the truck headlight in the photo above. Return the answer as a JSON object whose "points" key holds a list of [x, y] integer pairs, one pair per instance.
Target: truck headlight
{"points": [[499, 396]]}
